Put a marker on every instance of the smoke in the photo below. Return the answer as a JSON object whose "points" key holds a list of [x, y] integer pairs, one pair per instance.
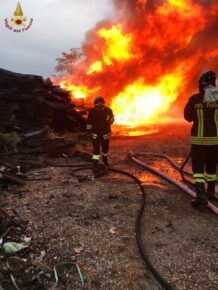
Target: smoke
{"points": [[138, 14]]}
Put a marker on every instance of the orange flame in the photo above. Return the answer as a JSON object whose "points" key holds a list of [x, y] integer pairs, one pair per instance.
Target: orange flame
{"points": [[118, 46], [142, 62], [77, 92], [95, 67], [141, 104]]}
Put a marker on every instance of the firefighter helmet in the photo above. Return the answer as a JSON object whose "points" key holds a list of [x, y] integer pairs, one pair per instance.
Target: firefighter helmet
{"points": [[207, 78], [99, 99]]}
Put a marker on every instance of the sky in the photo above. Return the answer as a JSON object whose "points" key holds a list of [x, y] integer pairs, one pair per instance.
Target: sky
{"points": [[58, 25]]}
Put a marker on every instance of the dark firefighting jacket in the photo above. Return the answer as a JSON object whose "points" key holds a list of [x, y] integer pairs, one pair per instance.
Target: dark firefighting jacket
{"points": [[99, 122], [204, 116]]}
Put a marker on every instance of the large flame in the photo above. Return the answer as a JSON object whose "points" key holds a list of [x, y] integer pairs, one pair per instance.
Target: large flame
{"points": [[118, 46], [77, 92], [146, 57], [95, 67], [140, 104]]}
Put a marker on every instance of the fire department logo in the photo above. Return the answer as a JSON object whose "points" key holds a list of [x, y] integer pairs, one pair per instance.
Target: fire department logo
{"points": [[18, 22]]}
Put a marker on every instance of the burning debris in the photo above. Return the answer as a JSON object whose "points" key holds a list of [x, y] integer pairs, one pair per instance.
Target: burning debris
{"points": [[144, 58]]}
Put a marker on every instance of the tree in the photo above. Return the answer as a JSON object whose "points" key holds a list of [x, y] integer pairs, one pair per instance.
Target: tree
{"points": [[66, 62]]}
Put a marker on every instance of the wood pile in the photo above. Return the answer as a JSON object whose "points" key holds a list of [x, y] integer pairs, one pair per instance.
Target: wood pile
{"points": [[29, 103], [31, 107]]}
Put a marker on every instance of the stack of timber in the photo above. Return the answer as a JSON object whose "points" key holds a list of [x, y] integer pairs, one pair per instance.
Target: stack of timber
{"points": [[30, 109]]}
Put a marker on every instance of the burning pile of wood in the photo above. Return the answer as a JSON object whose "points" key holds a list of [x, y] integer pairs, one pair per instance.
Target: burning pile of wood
{"points": [[29, 106]]}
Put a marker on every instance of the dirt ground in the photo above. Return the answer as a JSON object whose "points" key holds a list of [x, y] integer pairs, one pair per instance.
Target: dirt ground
{"points": [[93, 224]]}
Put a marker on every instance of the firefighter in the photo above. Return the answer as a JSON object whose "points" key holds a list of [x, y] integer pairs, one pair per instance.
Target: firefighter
{"points": [[99, 123], [202, 110]]}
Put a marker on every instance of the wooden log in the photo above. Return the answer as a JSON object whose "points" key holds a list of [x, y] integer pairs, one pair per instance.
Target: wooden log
{"points": [[35, 134]]}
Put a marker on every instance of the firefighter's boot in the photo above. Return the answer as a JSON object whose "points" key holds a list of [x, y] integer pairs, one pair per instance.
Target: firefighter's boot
{"points": [[211, 189], [105, 161], [96, 166], [201, 199]]}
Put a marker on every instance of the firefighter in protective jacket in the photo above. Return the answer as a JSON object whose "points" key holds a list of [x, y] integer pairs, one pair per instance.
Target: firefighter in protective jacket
{"points": [[99, 123], [202, 110]]}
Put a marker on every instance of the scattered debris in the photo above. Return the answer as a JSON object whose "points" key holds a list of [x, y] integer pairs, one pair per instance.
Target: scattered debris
{"points": [[67, 264], [12, 248], [41, 257], [113, 230], [79, 249], [26, 239]]}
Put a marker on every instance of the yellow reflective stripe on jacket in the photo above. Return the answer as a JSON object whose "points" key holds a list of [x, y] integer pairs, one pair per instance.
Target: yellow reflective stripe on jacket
{"points": [[107, 136], [199, 180], [200, 122], [198, 175], [204, 140], [211, 177], [88, 127], [94, 136], [95, 157]]}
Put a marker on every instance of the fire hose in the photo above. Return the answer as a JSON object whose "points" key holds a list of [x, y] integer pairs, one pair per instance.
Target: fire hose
{"points": [[79, 167], [132, 156], [174, 164], [155, 273], [165, 284]]}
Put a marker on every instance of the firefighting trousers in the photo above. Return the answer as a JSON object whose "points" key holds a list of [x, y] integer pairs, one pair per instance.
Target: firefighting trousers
{"points": [[98, 144], [204, 158]]}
